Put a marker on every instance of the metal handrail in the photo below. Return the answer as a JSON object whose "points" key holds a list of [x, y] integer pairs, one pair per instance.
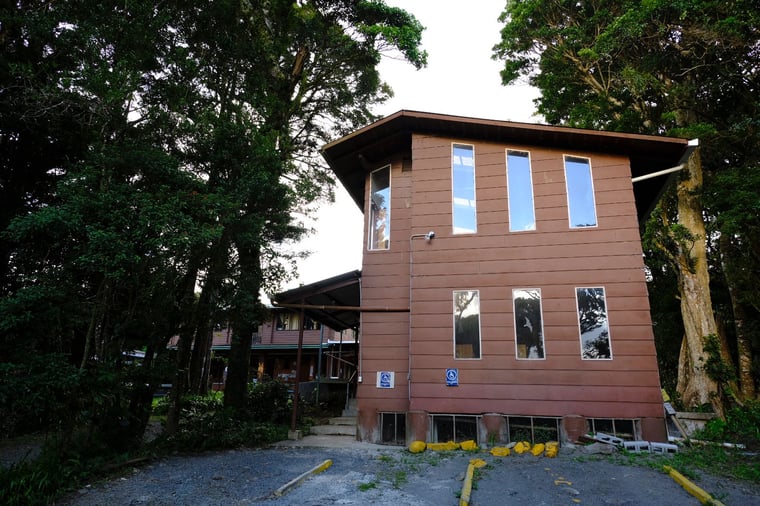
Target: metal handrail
{"points": [[348, 385]]}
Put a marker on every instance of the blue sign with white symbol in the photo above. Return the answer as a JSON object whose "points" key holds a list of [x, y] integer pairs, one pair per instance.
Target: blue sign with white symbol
{"points": [[452, 377], [385, 380]]}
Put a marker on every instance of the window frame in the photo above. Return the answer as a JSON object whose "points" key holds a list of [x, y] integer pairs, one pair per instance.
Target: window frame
{"points": [[514, 324], [474, 203], [371, 231], [454, 327], [565, 159], [532, 192], [606, 315]]}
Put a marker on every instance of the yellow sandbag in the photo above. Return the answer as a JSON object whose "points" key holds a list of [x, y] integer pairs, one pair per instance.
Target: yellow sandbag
{"points": [[469, 445], [443, 447], [478, 463], [500, 451], [417, 446], [520, 448], [552, 448], [538, 449]]}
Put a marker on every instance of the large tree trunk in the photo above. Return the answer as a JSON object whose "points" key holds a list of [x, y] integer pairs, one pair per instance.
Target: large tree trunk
{"points": [[179, 382], [246, 314], [694, 385]]}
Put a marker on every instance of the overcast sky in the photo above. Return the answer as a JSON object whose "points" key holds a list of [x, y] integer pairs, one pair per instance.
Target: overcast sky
{"points": [[461, 79]]}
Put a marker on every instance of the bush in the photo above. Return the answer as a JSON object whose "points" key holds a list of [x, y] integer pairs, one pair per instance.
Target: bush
{"points": [[64, 464], [39, 393], [219, 430], [269, 401], [742, 425]]}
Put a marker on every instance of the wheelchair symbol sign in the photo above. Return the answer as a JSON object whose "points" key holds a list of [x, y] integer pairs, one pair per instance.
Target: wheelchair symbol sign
{"points": [[452, 377], [385, 379]]}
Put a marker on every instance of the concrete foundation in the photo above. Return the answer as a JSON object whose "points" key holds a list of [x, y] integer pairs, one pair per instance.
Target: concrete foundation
{"points": [[417, 425]]}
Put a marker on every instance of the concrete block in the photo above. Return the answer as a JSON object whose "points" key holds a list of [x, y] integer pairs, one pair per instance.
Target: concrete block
{"points": [[663, 448], [637, 446], [606, 438]]}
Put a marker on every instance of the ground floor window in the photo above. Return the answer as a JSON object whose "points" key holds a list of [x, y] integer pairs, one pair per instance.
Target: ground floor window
{"points": [[535, 429], [393, 428], [457, 428], [626, 429]]}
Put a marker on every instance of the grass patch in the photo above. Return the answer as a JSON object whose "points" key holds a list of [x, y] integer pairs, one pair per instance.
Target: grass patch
{"points": [[695, 459], [367, 486]]}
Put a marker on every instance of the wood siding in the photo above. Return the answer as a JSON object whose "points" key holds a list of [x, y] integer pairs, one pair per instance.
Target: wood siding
{"points": [[554, 258]]}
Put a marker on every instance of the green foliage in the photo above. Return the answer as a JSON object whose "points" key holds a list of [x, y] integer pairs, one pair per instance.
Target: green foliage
{"points": [[715, 366], [66, 462], [38, 394], [221, 429], [269, 401], [742, 425], [144, 144]]}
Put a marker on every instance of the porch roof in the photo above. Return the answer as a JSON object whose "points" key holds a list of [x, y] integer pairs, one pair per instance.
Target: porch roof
{"points": [[333, 301]]}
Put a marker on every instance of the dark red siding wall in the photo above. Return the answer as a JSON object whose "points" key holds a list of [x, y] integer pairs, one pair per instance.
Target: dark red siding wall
{"points": [[494, 261], [385, 283]]}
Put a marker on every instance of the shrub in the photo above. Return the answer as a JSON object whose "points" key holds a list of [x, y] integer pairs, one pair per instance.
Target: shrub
{"points": [[742, 425], [269, 401], [38, 393]]}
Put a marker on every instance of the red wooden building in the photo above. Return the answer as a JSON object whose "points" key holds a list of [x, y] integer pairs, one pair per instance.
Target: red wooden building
{"points": [[503, 286]]}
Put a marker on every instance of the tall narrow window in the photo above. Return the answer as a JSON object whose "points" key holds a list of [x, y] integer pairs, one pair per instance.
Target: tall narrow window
{"points": [[463, 189], [380, 209], [466, 324], [522, 215], [592, 320], [580, 192], [529, 326]]}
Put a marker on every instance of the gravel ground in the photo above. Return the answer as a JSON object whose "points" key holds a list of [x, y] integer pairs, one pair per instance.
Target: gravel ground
{"points": [[371, 474]]}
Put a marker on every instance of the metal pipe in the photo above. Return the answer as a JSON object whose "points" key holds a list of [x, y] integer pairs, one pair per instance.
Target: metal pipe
{"points": [[658, 173], [428, 237], [344, 308]]}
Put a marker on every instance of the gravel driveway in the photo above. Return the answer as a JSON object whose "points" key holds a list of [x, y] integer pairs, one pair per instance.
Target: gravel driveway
{"points": [[371, 474]]}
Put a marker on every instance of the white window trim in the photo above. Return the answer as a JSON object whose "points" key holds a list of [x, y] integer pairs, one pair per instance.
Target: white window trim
{"points": [[567, 190], [454, 326], [454, 229], [609, 327], [369, 213], [514, 325], [532, 189]]}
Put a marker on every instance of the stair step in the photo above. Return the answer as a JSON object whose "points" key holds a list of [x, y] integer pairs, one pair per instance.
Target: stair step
{"points": [[351, 409], [343, 420], [334, 430]]}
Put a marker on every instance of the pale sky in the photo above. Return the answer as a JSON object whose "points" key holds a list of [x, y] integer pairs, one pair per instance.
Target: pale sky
{"points": [[460, 79]]}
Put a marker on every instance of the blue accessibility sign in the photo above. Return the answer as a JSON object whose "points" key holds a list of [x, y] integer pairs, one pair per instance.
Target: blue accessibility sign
{"points": [[386, 380], [452, 377]]}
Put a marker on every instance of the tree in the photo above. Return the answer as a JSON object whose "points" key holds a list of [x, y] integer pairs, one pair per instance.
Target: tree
{"points": [[686, 68], [177, 144]]}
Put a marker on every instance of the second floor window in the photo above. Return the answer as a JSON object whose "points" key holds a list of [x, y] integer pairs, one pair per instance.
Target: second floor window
{"points": [[463, 189], [380, 209], [522, 215], [580, 192]]}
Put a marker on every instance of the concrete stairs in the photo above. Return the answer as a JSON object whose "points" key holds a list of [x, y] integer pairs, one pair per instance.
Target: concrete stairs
{"points": [[344, 425]]}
